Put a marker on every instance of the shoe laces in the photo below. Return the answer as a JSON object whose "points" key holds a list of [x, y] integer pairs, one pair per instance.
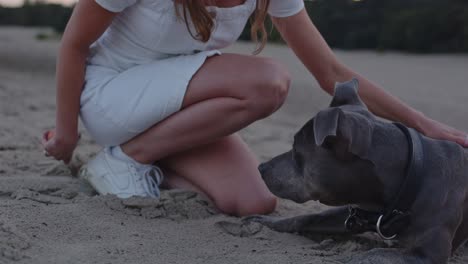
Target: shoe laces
{"points": [[153, 177]]}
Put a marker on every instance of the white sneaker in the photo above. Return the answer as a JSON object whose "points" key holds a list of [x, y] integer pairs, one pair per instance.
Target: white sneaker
{"points": [[110, 175]]}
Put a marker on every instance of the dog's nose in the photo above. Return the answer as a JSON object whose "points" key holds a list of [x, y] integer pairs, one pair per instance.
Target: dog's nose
{"points": [[263, 168]]}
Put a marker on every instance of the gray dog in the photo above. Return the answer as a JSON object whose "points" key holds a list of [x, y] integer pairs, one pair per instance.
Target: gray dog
{"points": [[383, 177]]}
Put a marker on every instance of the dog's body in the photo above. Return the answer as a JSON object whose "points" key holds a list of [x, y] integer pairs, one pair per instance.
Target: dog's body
{"points": [[345, 156]]}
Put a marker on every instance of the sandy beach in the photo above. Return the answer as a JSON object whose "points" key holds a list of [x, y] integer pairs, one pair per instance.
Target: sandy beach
{"points": [[46, 216]]}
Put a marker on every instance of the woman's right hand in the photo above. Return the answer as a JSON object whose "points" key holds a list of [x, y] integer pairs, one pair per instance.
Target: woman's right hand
{"points": [[58, 146]]}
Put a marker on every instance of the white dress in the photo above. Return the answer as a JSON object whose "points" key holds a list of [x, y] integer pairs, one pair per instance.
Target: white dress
{"points": [[138, 71]]}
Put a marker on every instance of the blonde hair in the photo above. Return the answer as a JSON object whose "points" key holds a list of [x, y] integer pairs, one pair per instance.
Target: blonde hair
{"points": [[203, 21]]}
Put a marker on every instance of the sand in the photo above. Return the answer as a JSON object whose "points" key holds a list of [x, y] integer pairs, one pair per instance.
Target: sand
{"points": [[47, 217]]}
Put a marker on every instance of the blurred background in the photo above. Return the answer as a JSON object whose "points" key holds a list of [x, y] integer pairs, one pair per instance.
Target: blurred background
{"points": [[407, 25]]}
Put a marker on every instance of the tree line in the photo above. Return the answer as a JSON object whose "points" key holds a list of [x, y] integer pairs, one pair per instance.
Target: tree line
{"points": [[406, 25], [36, 14]]}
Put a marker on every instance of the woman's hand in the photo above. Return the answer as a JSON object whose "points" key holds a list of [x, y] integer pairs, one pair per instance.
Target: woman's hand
{"points": [[59, 146], [437, 130], [317, 56], [87, 23]]}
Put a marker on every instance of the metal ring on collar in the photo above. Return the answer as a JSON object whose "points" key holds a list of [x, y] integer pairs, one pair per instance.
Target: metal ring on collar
{"points": [[380, 233], [348, 223]]}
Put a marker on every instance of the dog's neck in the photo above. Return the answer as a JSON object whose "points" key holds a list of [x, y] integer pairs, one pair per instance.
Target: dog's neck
{"points": [[390, 155]]}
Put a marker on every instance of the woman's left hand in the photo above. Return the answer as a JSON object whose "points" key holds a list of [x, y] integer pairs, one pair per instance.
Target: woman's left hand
{"points": [[437, 130]]}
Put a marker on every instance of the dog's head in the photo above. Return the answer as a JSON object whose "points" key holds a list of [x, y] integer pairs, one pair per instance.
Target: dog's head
{"points": [[336, 154]]}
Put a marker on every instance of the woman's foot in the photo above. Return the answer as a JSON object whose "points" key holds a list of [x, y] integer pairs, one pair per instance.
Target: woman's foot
{"points": [[113, 172]]}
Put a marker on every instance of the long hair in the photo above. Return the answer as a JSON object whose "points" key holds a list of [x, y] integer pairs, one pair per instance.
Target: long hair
{"points": [[203, 21]]}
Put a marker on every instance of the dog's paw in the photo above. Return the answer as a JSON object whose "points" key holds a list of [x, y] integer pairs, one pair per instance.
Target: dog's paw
{"points": [[262, 219], [243, 229], [253, 218], [274, 223]]}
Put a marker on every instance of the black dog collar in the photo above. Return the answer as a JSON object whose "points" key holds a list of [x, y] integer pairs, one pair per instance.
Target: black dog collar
{"points": [[396, 216]]}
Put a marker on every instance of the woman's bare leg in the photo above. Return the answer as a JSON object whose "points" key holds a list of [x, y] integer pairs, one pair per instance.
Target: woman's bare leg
{"points": [[172, 180], [226, 171], [228, 93]]}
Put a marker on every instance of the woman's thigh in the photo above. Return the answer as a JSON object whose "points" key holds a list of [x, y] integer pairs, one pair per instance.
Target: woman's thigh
{"points": [[226, 171], [143, 96], [238, 76]]}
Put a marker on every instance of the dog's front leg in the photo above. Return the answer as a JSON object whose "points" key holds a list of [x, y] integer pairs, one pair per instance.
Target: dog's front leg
{"points": [[330, 222]]}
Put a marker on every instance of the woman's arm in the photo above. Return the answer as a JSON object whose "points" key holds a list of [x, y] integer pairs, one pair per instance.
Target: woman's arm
{"points": [[86, 24], [310, 47]]}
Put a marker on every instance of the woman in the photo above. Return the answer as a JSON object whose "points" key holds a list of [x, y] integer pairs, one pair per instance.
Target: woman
{"points": [[150, 86]]}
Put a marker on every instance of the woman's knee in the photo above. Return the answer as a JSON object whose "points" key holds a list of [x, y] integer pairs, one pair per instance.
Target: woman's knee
{"points": [[270, 88], [265, 204], [243, 206]]}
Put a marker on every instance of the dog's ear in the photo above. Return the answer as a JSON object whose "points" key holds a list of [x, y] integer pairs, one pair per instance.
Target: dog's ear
{"points": [[347, 94], [326, 124], [346, 133]]}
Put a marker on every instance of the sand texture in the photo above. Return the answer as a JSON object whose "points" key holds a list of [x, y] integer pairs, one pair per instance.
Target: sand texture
{"points": [[47, 216]]}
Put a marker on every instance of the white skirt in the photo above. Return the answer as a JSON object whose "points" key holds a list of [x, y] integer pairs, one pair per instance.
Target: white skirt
{"points": [[116, 107]]}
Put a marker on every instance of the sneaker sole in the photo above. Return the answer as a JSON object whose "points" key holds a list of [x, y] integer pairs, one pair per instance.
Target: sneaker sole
{"points": [[87, 178], [99, 187]]}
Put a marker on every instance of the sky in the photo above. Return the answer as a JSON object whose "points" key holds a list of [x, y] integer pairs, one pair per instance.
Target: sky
{"points": [[20, 2]]}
